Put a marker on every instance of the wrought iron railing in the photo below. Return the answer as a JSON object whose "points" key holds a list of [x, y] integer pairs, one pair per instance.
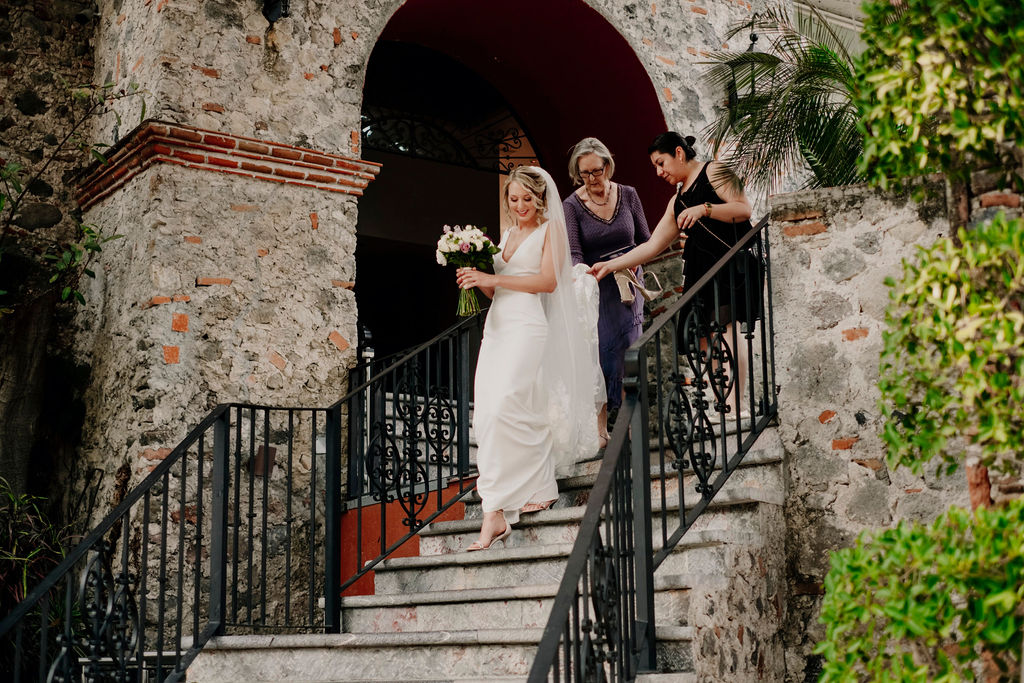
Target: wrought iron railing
{"points": [[238, 528], [681, 405], [408, 442]]}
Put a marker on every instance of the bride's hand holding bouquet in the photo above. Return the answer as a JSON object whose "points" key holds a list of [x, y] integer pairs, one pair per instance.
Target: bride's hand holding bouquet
{"points": [[470, 249]]}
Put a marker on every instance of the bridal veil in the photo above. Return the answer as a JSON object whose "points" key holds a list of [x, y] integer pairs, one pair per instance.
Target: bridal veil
{"points": [[569, 367]]}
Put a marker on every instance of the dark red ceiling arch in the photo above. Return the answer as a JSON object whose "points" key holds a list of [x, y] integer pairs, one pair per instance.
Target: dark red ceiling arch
{"points": [[564, 70]]}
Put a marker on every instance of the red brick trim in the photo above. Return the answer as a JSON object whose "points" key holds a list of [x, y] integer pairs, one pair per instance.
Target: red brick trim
{"points": [[160, 142]]}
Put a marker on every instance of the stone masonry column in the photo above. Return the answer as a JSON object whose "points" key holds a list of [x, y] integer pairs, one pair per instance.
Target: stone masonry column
{"points": [[236, 199], [232, 282]]}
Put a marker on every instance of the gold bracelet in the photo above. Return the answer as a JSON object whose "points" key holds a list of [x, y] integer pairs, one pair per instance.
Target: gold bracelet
{"points": [[707, 209]]}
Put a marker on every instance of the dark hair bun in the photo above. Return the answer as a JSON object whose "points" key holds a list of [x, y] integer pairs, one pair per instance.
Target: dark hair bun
{"points": [[689, 139]]}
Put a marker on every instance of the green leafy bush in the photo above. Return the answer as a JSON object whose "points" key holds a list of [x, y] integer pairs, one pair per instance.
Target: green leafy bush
{"points": [[919, 603], [31, 545], [943, 87], [953, 357]]}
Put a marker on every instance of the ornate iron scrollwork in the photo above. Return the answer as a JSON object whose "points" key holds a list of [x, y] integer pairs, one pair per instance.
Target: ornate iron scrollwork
{"points": [[497, 146], [107, 647], [411, 408], [411, 135], [382, 457], [440, 426], [602, 636], [690, 414]]}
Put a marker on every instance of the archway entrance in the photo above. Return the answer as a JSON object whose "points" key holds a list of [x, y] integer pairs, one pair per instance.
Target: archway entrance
{"points": [[456, 92]]}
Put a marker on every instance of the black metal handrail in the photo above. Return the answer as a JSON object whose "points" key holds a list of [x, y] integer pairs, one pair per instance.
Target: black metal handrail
{"points": [[679, 380], [409, 441], [238, 528]]}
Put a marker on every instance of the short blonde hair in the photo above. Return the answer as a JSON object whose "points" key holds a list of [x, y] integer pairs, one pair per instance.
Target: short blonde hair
{"points": [[583, 148], [534, 183]]}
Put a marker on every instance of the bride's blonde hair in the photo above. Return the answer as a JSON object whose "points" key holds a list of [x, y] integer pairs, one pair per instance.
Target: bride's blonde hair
{"points": [[528, 177]]}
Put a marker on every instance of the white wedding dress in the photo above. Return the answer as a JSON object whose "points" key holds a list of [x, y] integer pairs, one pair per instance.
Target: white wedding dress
{"points": [[526, 424]]}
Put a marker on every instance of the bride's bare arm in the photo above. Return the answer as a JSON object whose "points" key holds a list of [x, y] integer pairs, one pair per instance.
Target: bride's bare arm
{"points": [[544, 281]]}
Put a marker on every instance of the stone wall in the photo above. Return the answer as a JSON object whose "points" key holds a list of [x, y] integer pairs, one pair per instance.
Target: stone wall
{"points": [[45, 47], [222, 66], [219, 291], [673, 40], [831, 251]]}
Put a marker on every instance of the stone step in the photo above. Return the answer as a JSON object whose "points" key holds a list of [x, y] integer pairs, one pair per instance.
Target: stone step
{"points": [[487, 608], [729, 496], [483, 655], [642, 678], [485, 569], [326, 658], [667, 678], [536, 564], [452, 537], [757, 469]]}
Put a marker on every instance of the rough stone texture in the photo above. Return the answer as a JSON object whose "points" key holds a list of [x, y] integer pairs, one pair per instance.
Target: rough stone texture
{"points": [[221, 66], [44, 47], [259, 333], [738, 622], [830, 304]]}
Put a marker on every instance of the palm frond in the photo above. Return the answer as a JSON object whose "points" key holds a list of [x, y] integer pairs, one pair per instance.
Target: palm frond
{"points": [[795, 113]]}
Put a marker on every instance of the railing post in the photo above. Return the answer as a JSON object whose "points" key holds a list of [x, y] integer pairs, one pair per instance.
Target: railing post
{"points": [[332, 523], [462, 403], [219, 522], [356, 429], [635, 383]]}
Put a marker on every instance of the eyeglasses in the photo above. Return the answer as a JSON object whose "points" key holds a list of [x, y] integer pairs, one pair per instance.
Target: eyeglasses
{"points": [[592, 174]]}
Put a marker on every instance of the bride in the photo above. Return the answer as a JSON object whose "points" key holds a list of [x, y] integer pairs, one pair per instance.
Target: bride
{"points": [[537, 383]]}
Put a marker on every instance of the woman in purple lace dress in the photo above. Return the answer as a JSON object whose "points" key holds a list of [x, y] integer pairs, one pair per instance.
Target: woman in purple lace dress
{"points": [[605, 219]]}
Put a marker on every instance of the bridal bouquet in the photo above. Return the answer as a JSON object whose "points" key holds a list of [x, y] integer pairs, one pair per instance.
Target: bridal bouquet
{"points": [[466, 247]]}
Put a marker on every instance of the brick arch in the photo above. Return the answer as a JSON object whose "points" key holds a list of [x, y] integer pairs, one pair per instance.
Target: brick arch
{"points": [[563, 67]]}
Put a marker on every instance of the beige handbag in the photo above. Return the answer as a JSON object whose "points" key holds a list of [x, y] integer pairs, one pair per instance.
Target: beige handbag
{"points": [[627, 281]]}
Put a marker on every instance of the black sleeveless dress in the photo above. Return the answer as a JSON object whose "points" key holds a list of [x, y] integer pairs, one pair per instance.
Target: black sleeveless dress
{"points": [[707, 241]]}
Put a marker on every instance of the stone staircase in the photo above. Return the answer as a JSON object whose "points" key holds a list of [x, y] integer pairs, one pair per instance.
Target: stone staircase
{"points": [[448, 615]]}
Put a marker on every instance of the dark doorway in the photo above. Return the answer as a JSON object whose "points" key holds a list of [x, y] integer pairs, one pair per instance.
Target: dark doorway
{"points": [[456, 92], [444, 138]]}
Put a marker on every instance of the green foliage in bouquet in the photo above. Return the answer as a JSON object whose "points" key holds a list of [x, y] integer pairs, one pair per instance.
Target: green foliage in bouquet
{"points": [[953, 358], [943, 88], [919, 603]]}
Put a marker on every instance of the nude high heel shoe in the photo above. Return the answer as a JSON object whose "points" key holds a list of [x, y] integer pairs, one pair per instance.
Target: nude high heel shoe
{"points": [[494, 539], [537, 507]]}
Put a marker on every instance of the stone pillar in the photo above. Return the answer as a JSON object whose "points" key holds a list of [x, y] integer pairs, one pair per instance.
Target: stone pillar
{"points": [[232, 282], [236, 200], [831, 252]]}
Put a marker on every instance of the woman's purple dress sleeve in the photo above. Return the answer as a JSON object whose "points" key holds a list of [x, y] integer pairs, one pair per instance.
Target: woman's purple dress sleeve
{"points": [[572, 226]]}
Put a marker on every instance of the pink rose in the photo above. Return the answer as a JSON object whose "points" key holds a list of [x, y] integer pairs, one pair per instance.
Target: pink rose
{"points": [[465, 247]]}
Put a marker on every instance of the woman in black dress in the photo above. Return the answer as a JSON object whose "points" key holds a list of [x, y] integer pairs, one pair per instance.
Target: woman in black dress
{"points": [[708, 214]]}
